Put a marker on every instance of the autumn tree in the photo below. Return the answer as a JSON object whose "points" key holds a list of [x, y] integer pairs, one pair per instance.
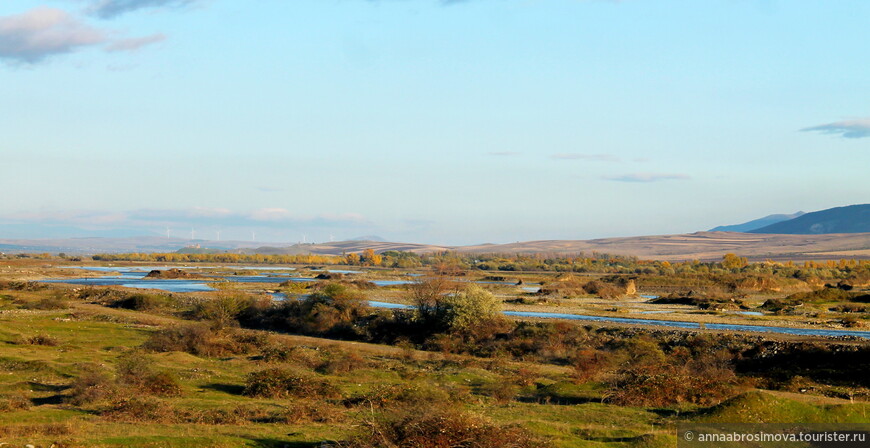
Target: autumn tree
{"points": [[734, 262]]}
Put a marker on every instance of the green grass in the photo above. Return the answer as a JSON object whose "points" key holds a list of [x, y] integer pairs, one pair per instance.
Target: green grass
{"points": [[571, 415], [761, 407]]}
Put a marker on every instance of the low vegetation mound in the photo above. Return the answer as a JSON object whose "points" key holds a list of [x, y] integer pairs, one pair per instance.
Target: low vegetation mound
{"points": [[171, 274], [281, 383], [704, 301], [433, 426], [761, 407], [202, 340]]}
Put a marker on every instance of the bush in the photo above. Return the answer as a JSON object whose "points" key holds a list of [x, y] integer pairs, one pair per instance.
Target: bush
{"points": [[606, 291], [705, 380], [193, 339], [588, 364], [15, 402], [45, 304], [279, 383], [433, 426], [42, 339], [201, 340], [849, 308], [305, 356], [462, 311], [340, 361], [91, 386], [141, 409], [142, 302], [502, 391], [17, 285], [139, 373], [228, 307]]}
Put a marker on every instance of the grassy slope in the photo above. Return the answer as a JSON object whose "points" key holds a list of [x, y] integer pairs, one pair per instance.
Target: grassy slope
{"points": [[92, 334]]}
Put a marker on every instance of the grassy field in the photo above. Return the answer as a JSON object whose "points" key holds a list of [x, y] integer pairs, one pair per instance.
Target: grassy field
{"points": [[110, 366], [44, 351]]}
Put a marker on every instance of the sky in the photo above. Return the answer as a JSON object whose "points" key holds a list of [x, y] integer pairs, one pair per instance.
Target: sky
{"points": [[431, 121]]}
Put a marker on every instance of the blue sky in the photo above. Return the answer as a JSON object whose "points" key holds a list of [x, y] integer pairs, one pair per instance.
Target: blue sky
{"points": [[422, 120]]}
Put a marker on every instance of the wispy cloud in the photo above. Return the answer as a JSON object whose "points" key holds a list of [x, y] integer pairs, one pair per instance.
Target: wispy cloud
{"points": [[264, 217], [646, 177], [135, 43], [859, 128], [589, 157], [109, 9], [503, 153], [42, 32]]}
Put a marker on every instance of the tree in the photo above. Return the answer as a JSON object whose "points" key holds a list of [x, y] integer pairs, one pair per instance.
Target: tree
{"points": [[461, 311], [369, 257], [734, 262]]}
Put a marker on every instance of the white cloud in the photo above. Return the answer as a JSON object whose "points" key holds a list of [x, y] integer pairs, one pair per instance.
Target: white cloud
{"points": [[32, 36], [271, 214], [859, 128], [135, 43], [646, 177], [109, 9], [590, 157]]}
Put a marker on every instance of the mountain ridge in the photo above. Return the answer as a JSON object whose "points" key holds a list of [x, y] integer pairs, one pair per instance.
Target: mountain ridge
{"points": [[757, 223], [847, 219]]}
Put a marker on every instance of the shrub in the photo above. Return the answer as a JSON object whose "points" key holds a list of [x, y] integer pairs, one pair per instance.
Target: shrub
{"points": [[279, 382], [17, 285], [705, 380], [433, 426], [42, 429], [604, 290], [142, 302], [305, 356], [42, 339], [462, 311], [194, 339], [15, 402], [91, 386], [335, 310], [849, 308], [851, 322], [228, 307], [200, 340], [141, 409], [138, 372], [501, 391], [589, 363], [526, 376], [45, 304], [340, 361]]}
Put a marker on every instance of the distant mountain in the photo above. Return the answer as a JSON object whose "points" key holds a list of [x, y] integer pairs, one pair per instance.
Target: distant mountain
{"points": [[705, 246], [849, 219], [757, 223]]}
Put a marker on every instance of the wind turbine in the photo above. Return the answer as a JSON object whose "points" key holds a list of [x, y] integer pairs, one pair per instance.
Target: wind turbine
{"points": [[167, 232], [192, 234], [218, 234]]}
